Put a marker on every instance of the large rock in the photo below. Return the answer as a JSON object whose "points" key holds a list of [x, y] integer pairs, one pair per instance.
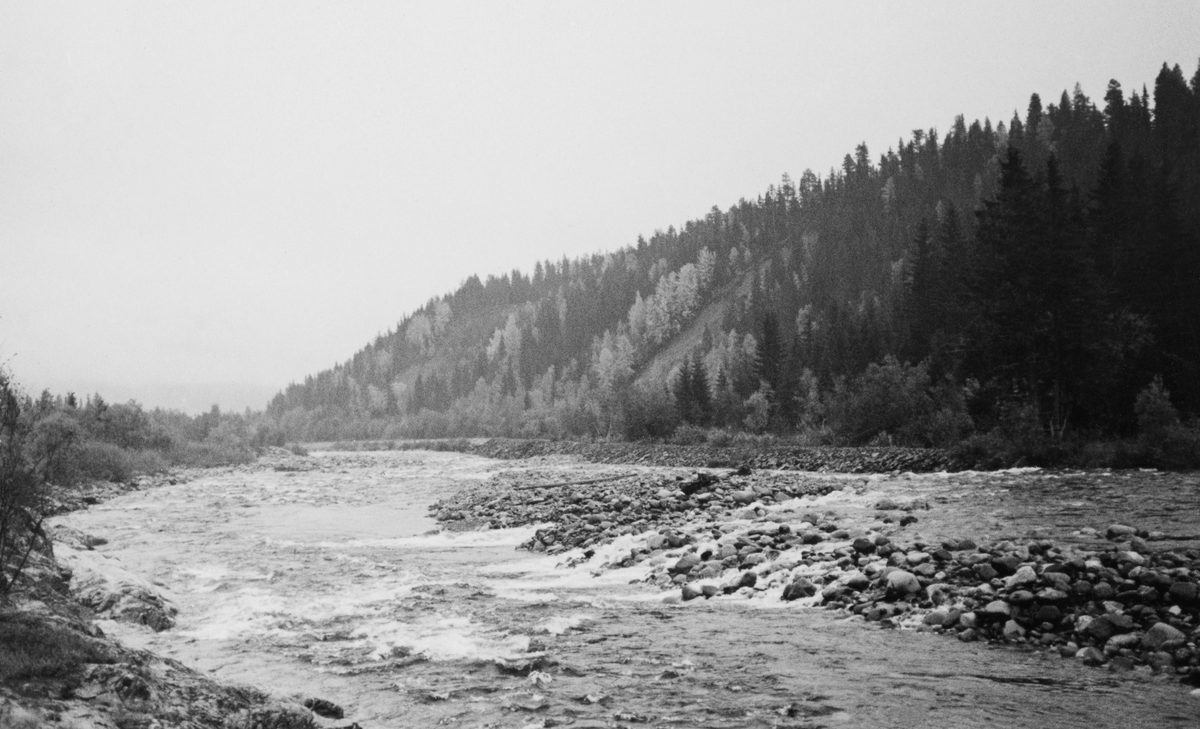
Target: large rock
{"points": [[1118, 531], [1185, 593], [800, 587], [1160, 633], [996, 609], [1126, 640], [1013, 631], [902, 584], [686, 563], [103, 584], [1023, 577], [1090, 656]]}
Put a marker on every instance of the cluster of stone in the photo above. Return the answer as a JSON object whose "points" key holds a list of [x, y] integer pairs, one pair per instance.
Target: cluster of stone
{"points": [[777, 457], [1123, 606], [592, 514]]}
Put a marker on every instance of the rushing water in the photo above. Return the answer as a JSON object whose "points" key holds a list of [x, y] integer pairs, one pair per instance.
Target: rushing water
{"points": [[328, 583]]}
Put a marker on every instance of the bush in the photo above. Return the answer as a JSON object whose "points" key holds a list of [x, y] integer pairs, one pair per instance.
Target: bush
{"points": [[1156, 415], [893, 402], [22, 492], [650, 413], [33, 647], [719, 437], [104, 462], [1167, 442], [688, 434]]}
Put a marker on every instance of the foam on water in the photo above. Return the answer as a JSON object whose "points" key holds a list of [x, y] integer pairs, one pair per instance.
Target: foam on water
{"points": [[510, 537], [442, 639]]}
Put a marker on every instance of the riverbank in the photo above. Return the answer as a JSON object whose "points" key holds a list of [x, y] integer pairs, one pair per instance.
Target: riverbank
{"points": [[321, 576], [759, 455], [58, 668]]}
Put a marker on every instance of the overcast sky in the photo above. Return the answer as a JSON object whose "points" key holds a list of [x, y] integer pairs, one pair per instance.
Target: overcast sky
{"points": [[201, 202]]}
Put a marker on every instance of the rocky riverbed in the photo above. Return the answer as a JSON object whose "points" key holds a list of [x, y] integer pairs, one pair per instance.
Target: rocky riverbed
{"points": [[384, 588], [1130, 601]]}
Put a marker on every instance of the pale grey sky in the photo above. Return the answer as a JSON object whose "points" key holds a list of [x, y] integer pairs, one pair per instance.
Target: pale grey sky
{"points": [[200, 202]]}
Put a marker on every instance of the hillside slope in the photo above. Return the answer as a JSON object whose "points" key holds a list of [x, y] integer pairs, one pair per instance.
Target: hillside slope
{"points": [[1086, 217]]}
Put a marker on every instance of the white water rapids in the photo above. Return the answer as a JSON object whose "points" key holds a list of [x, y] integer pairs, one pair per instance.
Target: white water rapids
{"points": [[326, 583]]}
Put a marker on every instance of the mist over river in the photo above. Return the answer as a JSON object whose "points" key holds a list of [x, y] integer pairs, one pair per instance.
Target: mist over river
{"points": [[332, 583]]}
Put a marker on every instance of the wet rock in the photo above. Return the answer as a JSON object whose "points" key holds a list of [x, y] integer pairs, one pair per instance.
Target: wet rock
{"points": [[691, 593], [996, 609], [1012, 631], [1184, 593], [324, 708], [1126, 640], [1159, 634], [1006, 565], [1052, 595], [902, 584], [985, 572], [1160, 661], [800, 587], [862, 545], [745, 579], [685, 563], [1117, 531], [1090, 656], [1022, 577]]}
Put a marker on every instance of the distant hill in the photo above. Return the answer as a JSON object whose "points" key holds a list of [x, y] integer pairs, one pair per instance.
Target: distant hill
{"points": [[1051, 261]]}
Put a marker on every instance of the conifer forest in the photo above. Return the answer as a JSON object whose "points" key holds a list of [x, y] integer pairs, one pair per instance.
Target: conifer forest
{"points": [[1024, 283]]}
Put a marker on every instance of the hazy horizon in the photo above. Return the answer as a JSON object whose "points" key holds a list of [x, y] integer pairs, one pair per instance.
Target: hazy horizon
{"points": [[201, 204]]}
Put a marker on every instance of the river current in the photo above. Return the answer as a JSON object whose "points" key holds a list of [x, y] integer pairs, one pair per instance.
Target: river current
{"points": [[334, 583]]}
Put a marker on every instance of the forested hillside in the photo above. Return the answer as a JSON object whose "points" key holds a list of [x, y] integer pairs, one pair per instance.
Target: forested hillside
{"points": [[1029, 276]]}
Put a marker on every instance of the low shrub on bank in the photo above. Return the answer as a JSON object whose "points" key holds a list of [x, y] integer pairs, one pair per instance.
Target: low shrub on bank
{"points": [[33, 647]]}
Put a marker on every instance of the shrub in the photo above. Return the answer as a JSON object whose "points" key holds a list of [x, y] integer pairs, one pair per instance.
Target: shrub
{"points": [[758, 410], [719, 437], [688, 434], [53, 448], [1155, 413], [22, 492], [650, 413], [1167, 442], [104, 461], [33, 647]]}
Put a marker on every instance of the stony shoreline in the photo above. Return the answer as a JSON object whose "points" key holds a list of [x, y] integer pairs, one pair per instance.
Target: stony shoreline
{"points": [[1129, 598], [776, 457]]}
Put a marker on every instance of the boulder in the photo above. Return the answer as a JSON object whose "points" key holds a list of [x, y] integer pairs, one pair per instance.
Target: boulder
{"points": [[902, 584], [686, 563], [1184, 593], [800, 587], [1118, 531], [1090, 656], [1160, 633], [996, 609], [1125, 640], [1013, 631], [1023, 577]]}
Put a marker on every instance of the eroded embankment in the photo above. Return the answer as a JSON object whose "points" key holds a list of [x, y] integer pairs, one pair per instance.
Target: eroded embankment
{"points": [[1045, 561]]}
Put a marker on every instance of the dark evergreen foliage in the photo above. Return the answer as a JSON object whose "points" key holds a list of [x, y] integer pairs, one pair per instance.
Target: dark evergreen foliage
{"points": [[1049, 267]]}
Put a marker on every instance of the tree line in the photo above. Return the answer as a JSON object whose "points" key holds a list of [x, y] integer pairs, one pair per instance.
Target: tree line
{"points": [[1042, 271]]}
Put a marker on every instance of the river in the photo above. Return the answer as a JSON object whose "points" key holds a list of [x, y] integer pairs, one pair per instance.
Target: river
{"points": [[329, 583]]}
